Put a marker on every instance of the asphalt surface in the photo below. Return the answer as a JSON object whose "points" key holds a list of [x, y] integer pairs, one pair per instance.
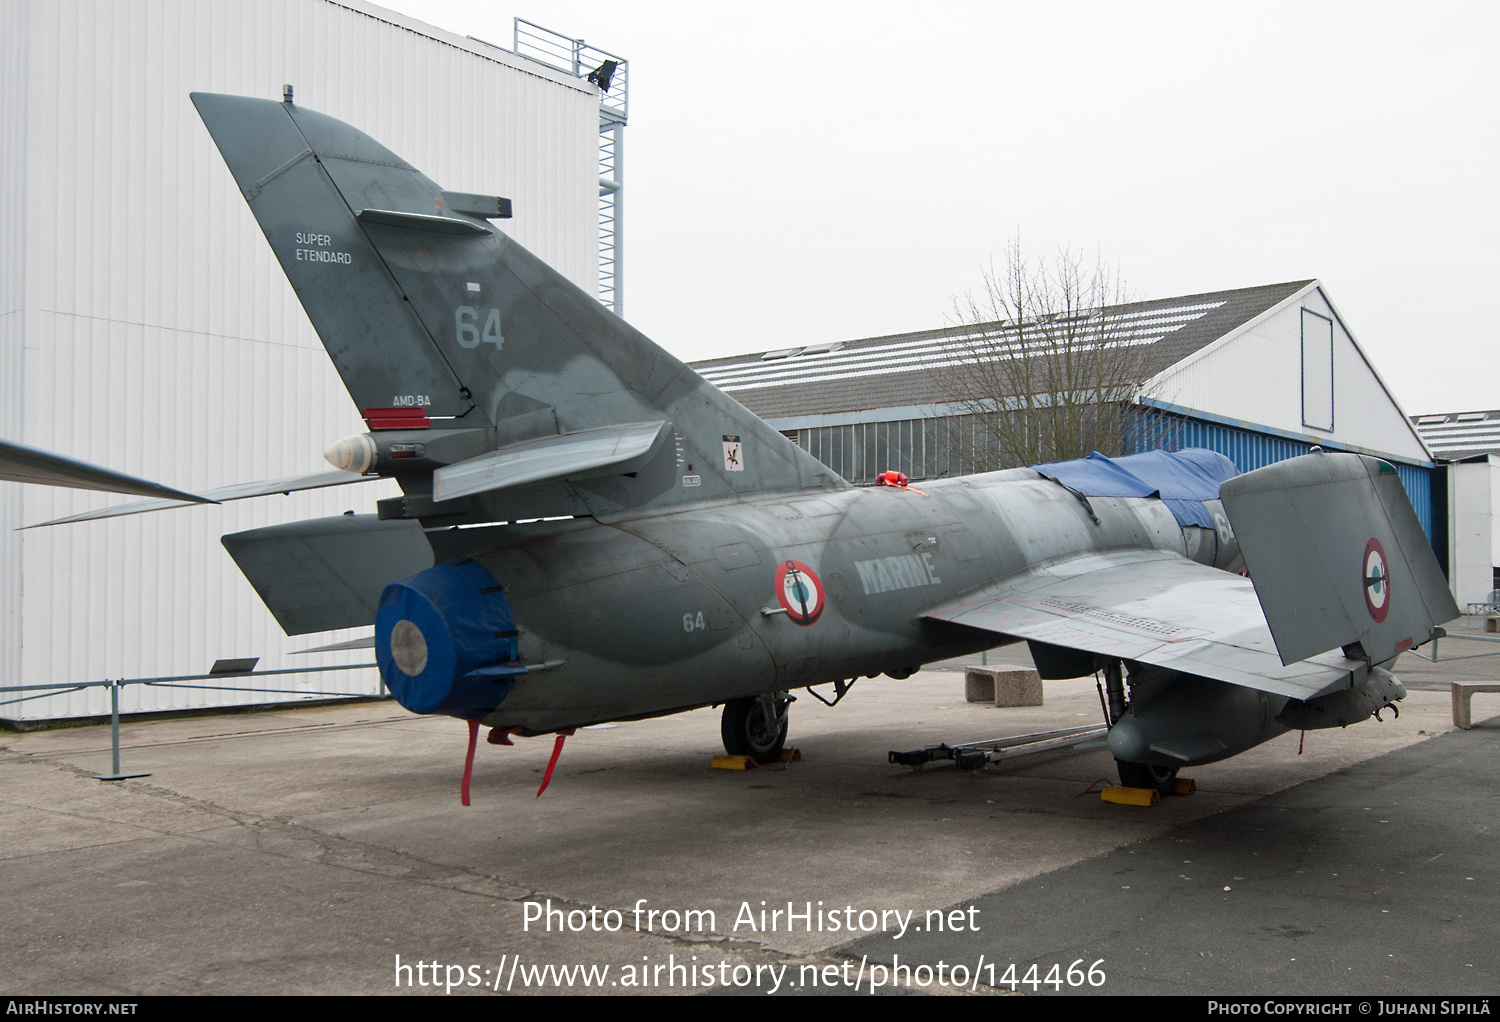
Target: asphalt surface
{"points": [[1379, 878], [303, 850]]}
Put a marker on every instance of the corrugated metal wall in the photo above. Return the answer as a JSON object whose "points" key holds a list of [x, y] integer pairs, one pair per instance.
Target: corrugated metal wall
{"points": [[922, 448], [955, 445], [161, 337], [13, 69], [1250, 450], [938, 446]]}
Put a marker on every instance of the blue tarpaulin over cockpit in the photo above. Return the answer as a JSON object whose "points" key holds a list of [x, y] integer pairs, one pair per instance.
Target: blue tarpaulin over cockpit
{"points": [[1183, 479]]}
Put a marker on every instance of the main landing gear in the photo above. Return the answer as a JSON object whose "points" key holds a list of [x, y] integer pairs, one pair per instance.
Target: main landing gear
{"points": [[1132, 775], [755, 726], [1147, 775]]}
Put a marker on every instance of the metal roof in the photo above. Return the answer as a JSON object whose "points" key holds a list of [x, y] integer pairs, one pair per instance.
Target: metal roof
{"points": [[1455, 435], [904, 369]]}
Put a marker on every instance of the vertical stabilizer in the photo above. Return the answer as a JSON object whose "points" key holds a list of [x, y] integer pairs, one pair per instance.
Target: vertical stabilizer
{"points": [[379, 345], [436, 319]]}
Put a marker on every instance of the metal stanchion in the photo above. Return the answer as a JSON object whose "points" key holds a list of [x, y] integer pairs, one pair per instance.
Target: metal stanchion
{"points": [[179, 681], [114, 734]]}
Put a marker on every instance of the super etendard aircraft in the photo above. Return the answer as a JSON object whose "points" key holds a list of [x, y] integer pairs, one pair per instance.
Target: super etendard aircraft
{"points": [[709, 560]]}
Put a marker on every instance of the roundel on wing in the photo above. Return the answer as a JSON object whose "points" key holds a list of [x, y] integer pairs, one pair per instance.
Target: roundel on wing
{"points": [[800, 591], [1376, 581]]}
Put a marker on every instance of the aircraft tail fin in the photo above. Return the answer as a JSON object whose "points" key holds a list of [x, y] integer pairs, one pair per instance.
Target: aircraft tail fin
{"points": [[437, 321], [1337, 556]]}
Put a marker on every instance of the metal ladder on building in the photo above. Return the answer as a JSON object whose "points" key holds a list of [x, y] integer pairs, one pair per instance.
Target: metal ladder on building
{"points": [[611, 73]]}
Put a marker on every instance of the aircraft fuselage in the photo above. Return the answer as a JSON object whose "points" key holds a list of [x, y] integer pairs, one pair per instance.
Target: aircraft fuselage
{"points": [[655, 614]]}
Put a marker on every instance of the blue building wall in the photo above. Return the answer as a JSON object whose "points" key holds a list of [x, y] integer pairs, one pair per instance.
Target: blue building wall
{"points": [[1249, 449]]}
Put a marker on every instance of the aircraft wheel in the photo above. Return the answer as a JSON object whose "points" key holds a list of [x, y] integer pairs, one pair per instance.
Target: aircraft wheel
{"points": [[1147, 775], [747, 731]]}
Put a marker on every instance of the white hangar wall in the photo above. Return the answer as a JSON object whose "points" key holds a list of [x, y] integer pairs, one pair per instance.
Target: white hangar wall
{"points": [[1245, 376], [1474, 536], [12, 317], [146, 326]]}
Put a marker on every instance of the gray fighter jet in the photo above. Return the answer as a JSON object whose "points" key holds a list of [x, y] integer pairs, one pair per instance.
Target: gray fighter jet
{"points": [[697, 557]]}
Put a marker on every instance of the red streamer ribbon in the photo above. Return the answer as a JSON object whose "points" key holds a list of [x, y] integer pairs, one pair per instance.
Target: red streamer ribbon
{"points": [[556, 752], [469, 759]]}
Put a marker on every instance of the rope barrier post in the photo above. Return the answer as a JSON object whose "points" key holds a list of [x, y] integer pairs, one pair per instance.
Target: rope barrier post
{"points": [[114, 734], [114, 726]]}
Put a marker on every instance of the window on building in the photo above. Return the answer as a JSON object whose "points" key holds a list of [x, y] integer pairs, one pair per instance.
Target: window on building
{"points": [[1317, 371]]}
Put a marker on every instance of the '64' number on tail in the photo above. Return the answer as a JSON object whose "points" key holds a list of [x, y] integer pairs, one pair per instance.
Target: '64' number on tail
{"points": [[466, 322]]}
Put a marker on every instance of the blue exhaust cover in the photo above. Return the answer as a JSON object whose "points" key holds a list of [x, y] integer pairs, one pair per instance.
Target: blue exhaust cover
{"points": [[455, 641]]}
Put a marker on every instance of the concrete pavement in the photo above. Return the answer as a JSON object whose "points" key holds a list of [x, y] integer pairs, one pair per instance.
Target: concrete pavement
{"points": [[303, 850]]}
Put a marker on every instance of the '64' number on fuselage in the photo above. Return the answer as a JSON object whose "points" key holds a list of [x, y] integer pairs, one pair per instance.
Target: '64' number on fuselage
{"points": [[466, 324]]}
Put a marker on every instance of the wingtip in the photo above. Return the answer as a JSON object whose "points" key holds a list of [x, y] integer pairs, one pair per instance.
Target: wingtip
{"points": [[191, 498]]}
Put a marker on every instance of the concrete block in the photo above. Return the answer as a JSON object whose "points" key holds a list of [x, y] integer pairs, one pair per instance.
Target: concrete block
{"points": [[1492, 624], [1003, 686], [1463, 692], [979, 685]]}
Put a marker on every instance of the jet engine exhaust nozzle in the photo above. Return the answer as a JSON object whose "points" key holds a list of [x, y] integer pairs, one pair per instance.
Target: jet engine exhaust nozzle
{"points": [[445, 641]]}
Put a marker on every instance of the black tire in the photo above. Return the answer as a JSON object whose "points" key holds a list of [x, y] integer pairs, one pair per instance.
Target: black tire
{"points": [[746, 731], [1147, 775]]}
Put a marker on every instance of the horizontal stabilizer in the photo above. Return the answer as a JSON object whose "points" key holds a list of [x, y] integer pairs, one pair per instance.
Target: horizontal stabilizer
{"points": [[608, 450], [1338, 556], [236, 491], [22, 464], [363, 642], [328, 573]]}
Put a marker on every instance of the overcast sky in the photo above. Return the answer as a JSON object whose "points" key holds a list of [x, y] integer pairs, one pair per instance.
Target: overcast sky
{"points": [[807, 172]]}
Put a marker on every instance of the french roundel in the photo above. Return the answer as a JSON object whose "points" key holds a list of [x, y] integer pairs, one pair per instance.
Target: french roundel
{"points": [[1377, 581], [800, 591]]}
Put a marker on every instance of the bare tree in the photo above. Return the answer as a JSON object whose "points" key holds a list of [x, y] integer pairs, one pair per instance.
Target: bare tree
{"points": [[1044, 365]]}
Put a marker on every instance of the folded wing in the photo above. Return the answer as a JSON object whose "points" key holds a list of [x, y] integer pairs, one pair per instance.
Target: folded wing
{"points": [[1154, 608]]}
